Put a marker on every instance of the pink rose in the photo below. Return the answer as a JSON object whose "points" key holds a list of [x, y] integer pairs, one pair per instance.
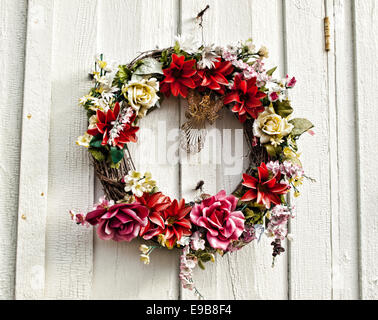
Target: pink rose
{"points": [[120, 222], [218, 216]]}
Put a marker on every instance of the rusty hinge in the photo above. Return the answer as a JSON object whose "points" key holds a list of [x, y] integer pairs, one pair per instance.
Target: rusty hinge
{"points": [[327, 34]]}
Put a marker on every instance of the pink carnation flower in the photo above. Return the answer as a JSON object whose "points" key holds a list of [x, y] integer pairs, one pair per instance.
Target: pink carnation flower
{"points": [[218, 216], [120, 222]]}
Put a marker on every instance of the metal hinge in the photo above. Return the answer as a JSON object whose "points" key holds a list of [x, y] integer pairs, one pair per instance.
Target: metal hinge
{"points": [[327, 34]]}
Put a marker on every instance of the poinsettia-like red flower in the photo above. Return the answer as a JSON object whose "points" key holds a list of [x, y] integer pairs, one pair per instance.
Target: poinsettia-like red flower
{"points": [[156, 203], [176, 222], [247, 97], [266, 189], [105, 123], [178, 77], [215, 78]]}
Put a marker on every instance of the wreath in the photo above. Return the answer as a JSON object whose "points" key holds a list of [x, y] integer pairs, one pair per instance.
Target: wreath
{"points": [[210, 78]]}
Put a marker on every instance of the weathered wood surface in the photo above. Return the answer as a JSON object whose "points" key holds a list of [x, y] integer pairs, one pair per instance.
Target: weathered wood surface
{"points": [[12, 52], [44, 174]]}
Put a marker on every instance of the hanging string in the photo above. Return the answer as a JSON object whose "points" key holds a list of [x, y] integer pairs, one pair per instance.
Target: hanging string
{"points": [[200, 19]]}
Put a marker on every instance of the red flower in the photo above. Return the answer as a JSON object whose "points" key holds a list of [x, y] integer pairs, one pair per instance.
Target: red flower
{"points": [[178, 77], [176, 222], [247, 97], [105, 122], [265, 189], [215, 78], [157, 203]]}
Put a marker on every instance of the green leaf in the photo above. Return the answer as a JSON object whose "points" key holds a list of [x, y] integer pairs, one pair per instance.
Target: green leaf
{"points": [[206, 257], [96, 142], [300, 126], [271, 71], [114, 166], [97, 154], [149, 66], [116, 154], [201, 265], [122, 75], [283, 108], [271, 150], [176, 48]]}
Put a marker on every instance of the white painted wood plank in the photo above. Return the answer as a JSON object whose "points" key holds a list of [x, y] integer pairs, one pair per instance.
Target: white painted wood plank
{"points": [[366, 48], [69, 254], [342, 152], [30, 270], [12, 51], [246, 274], [125, 29], [310, 253]]}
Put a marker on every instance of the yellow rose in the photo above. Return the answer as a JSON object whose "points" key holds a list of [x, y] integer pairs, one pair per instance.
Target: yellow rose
{"points": [[270, 127], [141, 94]]}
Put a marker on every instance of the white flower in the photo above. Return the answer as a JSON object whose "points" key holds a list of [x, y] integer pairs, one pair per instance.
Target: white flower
{"points": [[104, 80], [250, 45], [99, 104], [108, 93], [138, 184], [141, 94], [197, 243], [184, 241], [144, 249], [84, 99], [270, 127], [84, 140], [208, 58], [187, 43], [145, 258]]}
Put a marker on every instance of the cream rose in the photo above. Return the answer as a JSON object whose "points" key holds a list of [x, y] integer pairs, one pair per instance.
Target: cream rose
{"points": [[141, 94], [270, 127]]}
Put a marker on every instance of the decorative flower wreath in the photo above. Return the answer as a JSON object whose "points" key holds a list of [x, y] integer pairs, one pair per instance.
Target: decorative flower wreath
{"points": [[209, 78]]}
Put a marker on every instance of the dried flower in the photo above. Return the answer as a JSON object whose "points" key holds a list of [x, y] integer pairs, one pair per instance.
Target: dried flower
{"points": [[263, 52]]}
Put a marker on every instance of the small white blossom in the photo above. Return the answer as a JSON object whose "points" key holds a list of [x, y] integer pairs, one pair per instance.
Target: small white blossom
{"points": [[208, 58], [187, 43], [197, 243]]}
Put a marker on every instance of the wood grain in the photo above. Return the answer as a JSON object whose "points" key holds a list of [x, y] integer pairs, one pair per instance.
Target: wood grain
{"points": [[343, 175], [12, 51], [365, 14], [310, 253], [30, 270], [71, 184]]}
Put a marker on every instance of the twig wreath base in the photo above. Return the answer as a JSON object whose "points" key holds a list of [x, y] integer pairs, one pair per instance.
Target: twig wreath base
{"points": [[210, 78]]}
